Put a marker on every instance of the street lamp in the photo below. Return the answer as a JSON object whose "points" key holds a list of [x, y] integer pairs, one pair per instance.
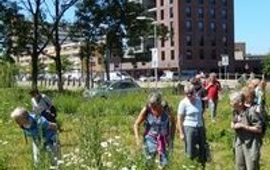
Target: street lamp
{"points": [[155, 65]]}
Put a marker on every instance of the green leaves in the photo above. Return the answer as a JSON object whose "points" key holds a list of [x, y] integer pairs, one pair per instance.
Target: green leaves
{"points": [[266, 64]]}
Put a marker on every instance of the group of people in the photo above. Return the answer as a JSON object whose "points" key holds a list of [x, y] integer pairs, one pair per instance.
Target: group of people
{"points": [[160, 124], [41, 126]]}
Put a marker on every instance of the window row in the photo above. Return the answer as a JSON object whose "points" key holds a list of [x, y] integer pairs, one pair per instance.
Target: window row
{"points": [[201, 54], [162, 2], [163, 56], [212, 2], [162, 14], [200, 12], [201, 42], [201, 27]]}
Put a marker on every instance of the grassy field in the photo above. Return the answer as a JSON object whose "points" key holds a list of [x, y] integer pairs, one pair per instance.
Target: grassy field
{"points": [[98, 133]]}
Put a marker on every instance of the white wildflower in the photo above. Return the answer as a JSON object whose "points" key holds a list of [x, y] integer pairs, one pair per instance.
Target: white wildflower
{"points": [[117, 137], [108, 154], [104, 144], [77, 150], [124, 168], [133, 167], [108, 164]]}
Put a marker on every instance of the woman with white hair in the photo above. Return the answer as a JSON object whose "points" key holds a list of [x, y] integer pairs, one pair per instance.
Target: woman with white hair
{"points": [[190, 124], [248, 130], [159, 125]]}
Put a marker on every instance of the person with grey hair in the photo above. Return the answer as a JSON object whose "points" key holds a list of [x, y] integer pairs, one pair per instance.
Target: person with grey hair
{"points": [[248, 129], [42, 132], [159, 123], [190, 124]]}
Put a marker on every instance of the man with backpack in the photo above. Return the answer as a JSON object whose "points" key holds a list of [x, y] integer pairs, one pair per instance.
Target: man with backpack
{"points": [[43, 134], [248, 126]]}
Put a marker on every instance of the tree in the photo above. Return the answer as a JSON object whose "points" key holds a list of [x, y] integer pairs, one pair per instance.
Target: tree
{"points": [[66, 66], [266, 64], [90, 15]]}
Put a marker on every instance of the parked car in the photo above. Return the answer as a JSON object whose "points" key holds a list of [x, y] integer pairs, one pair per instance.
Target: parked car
{"points": [[109, 88], [170, 76]]}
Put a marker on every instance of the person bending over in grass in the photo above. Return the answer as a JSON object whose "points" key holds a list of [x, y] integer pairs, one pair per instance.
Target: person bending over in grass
{"points": [[159, 126], [42, 132], [248, 132]]}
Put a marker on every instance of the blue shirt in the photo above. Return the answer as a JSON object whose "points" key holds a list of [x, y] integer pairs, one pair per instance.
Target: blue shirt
{"points": [[192, 112], [39, 127]]}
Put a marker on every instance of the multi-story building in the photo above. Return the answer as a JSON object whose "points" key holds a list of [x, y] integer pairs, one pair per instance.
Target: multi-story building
{"points": [[202, 30]]}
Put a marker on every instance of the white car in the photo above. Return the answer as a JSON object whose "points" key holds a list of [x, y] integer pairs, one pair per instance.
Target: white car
{"points": [[170, 76]]}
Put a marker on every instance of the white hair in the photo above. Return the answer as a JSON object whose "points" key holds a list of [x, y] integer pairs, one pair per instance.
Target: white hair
{"points": [[237, 97], [189, 88], [18, 113]]}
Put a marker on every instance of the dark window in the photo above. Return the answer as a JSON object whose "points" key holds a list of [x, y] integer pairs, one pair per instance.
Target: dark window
{"points": [[162, 14], [172, 55], [214, 54], [163, 55], [200, 12], [162, 42], [213, 41], [189, 54], [171, 1], [201, 41], [212, 2], [161, 2], [188, 1], [224, 14], [188, 11], [200, 25], [224, 2], [188, 25], [171, 12], [172, 33], [143, 63], [201, 54], [212, 12], [188, 40], [200, 1], [224, 27], [213, 26], [225, 41]]}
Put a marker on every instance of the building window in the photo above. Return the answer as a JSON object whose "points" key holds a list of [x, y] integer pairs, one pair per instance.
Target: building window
{"points": [[213, 41], [171, 12], [213, 26], [213, 54], [201, 41], [162, 14], [200, 25], [189, 54], [212, 12], [201, 54], [225, 41], [143, 63], [171, 1], [188, 11], [200, 12], [163, 55], [161, 2], [188, 1], [212, 2], [224, 2], [224, 14], [172, 55], [172, 33], [224, 27], [188, 25], [200, 2], [162, 42], [188, 40]]}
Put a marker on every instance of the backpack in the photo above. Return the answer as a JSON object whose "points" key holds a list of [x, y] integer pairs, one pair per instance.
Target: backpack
{"points": [[254, 109]]}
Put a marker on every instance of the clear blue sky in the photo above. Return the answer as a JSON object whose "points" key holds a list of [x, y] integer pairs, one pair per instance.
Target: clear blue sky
{"points": [[252, 24]]}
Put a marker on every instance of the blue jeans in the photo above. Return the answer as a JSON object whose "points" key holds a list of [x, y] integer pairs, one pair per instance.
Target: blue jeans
{"points": [[212, 104]]}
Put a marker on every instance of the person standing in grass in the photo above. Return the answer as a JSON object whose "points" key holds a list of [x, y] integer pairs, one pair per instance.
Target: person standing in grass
{"points": [[42, 105], [159, 126], [248, 132], [42, 132], [191, 126], [213, 87]]}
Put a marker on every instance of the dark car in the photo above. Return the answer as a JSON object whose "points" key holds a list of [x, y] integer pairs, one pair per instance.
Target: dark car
{"points": [[110, 88]]}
